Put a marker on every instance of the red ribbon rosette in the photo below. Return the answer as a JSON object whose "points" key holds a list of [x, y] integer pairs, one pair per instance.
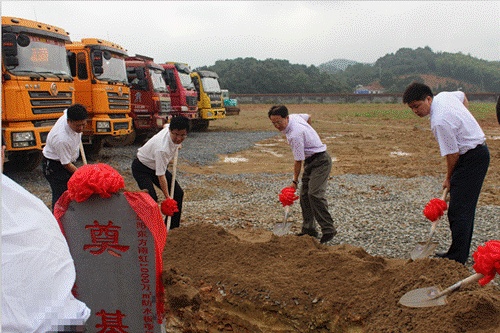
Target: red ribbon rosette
{"points": [[287, 196], [169, 207], [91, 179], [435, 209], [487, 261]]}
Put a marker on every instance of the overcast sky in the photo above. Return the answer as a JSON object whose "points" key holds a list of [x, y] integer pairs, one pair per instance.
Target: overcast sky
{"points": [[302, 32]]}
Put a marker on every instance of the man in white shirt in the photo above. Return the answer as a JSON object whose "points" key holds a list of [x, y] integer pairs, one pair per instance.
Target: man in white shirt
{"points": [[38, 272], [462, 142], [307, 149], [62, 149], [150, 166]]}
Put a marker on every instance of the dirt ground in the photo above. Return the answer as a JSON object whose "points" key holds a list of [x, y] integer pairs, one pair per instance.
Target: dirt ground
{"points": [[248, 280]]}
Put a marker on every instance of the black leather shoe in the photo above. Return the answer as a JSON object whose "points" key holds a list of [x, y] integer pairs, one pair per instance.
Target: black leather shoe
{"points": [[440, 254], [310, 232], [327, 237]]}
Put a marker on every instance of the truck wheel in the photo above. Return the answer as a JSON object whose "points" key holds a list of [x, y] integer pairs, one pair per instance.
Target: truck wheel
{"points": [[25, 161]]}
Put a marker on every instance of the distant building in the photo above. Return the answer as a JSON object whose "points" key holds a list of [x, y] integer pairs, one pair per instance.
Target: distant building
{"points": [[374, 88]]}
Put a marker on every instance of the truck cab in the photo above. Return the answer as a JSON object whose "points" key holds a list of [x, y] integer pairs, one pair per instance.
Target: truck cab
{"points": [[36, 87], [101, 85], [150, 100], [210, 104], [182, 92]]}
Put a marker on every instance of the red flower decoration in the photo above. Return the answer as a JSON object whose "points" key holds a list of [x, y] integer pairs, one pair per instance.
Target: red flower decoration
{"points": [[435, 209], [91, 179], [487, 261], [287, 196], [169, 207]]}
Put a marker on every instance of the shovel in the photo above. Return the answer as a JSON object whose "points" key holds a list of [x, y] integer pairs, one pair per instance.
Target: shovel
{"points": [[282, 228], [433, 296], [172, 184], [424, 249]]}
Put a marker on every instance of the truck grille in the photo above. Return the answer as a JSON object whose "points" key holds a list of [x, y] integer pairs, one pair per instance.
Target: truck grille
{"points": [[166, 107], [117, 102], [43, 102], [215, 100], [120, 126], [191, 100]]}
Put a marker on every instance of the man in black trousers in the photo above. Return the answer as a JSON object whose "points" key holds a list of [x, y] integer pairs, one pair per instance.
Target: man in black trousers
{"points": [[63, 148], [462, 142]]}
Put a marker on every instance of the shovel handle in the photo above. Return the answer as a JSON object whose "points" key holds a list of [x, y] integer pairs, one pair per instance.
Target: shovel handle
{"points": [[471, 279], [445, 193], [82, 153], [172, 184]]}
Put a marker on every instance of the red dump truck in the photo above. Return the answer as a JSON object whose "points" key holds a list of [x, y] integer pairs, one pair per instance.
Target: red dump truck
{"points": [[150, 100], [183, 95]]}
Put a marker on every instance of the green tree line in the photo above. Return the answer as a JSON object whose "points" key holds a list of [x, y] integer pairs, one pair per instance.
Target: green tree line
{"points": [[393, 71]]}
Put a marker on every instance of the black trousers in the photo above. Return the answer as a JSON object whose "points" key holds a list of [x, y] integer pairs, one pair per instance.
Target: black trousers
{"points": [[466, 182], [57, 176], [146, 178]]}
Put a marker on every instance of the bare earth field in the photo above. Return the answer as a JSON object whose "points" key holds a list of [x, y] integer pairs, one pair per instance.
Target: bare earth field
{"points": [[247, 280], [385, 139], [227, 276]]}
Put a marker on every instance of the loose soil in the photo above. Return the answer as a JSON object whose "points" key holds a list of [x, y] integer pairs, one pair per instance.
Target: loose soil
{"points": [[248, 280]]}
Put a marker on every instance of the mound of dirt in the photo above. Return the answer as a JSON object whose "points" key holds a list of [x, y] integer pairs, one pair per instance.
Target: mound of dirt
{"points": [[253, 281]]}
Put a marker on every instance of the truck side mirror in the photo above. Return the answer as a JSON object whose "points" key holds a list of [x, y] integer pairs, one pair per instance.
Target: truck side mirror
{"points": [[97, 59], [97, 62], [23, 40], [9, 49], [140, 73], [170, 79], [98, 70]]}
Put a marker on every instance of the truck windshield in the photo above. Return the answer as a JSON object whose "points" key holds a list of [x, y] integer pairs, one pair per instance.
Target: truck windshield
{"points": [[47, 57], [114, 70], [186, 81], [210, 84], [159, 84]]}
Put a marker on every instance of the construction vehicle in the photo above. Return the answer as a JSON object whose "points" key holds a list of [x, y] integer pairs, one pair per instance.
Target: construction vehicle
{"points": [[210, 104], [101, 85], [183, 96], [150, 100], [230, 104], [36, 87]]}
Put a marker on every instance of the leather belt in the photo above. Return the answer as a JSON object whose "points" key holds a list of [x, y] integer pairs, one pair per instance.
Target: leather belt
{"points": [[313, 156]]}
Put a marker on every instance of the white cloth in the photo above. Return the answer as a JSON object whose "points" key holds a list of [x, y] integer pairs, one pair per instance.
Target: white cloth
{"points": [[302, 138], [63, 144], [158, 151], [38, 272], [454, 127]]}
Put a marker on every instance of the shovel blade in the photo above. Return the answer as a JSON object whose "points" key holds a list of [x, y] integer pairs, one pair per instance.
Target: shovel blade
{"points": [[423, 297], [423, 250], [282, 228]]}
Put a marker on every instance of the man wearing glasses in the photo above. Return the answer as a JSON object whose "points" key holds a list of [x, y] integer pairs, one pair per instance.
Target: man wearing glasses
{"points": [[150, 166]]}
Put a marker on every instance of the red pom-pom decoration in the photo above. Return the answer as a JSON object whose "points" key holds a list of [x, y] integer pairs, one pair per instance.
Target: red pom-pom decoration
{"points": [[287, 196], [435, 209], [91, 179], [169, 207], [487, 261]]}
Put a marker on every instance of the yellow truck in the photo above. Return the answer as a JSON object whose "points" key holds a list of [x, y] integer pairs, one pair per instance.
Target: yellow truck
{"points": [[210, 103], [36, 87], [101, 85]]}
